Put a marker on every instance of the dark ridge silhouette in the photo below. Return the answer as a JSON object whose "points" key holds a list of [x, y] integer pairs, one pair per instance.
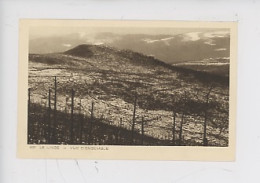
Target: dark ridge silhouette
{"points": [[81, 51]]}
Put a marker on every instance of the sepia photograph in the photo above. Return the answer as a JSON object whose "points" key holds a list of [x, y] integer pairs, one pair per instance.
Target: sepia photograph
{"points": [[129, 91], [129, 83]]}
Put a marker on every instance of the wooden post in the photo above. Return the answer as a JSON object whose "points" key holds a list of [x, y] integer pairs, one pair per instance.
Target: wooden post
{"points": [[49, 119], [46, 122], [142, 130], [72, 117], [66, 104], [182, 117], [91, 123], [29, 99], [180, 133], [205, 140], [81, 123], [55, 110], [121, 122], [65, 124], [173, 128], [28, 116], [133, 124], [120, 126], [117, 129], [55, 94]]}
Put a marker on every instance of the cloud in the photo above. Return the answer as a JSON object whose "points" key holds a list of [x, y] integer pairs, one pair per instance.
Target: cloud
{"points": [[192, 36], [218, 34], [151, 40], [209, 42], [82, 34], [67, 45], [165, 40], [221, 49], [98, 43]]}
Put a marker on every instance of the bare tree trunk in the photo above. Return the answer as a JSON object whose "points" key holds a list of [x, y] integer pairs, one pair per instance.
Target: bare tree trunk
{"points": [[28, 117], [81, 123], [91, 123], [142, 130], [173, 128], [29, 99], [133, 124], [121, 122], [205, 140], [54, 112], [65, 124], [119, 132], [180, 133], [72, 117], [49, 119]]}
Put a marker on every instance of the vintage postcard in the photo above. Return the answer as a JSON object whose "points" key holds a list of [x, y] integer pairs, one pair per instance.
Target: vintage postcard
{"points": [[143, 90]]}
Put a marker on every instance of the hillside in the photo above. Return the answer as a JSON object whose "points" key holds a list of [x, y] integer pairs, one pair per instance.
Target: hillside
{"points": [[112, 78]]}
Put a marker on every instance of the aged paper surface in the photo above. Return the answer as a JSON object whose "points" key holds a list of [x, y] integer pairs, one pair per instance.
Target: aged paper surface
{"points": [[144, 90]]}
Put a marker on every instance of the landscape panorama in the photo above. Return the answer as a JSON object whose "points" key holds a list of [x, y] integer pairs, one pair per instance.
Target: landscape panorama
{"points": [[138, 86]]}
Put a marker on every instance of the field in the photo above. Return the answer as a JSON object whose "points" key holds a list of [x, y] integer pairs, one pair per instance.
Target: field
{"points": [[104, 92]]}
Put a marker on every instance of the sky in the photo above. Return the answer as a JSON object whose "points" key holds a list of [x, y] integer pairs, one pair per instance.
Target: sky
{"points": [[40, 32], [167, 44]]}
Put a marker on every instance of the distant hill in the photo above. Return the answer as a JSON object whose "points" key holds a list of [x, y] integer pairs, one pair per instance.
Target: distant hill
{"points": [[217, 66]]}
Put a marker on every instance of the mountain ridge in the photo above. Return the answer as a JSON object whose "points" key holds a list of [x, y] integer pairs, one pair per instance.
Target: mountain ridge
{"points": [[169, 47], [88, 50], [104, 52]]}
